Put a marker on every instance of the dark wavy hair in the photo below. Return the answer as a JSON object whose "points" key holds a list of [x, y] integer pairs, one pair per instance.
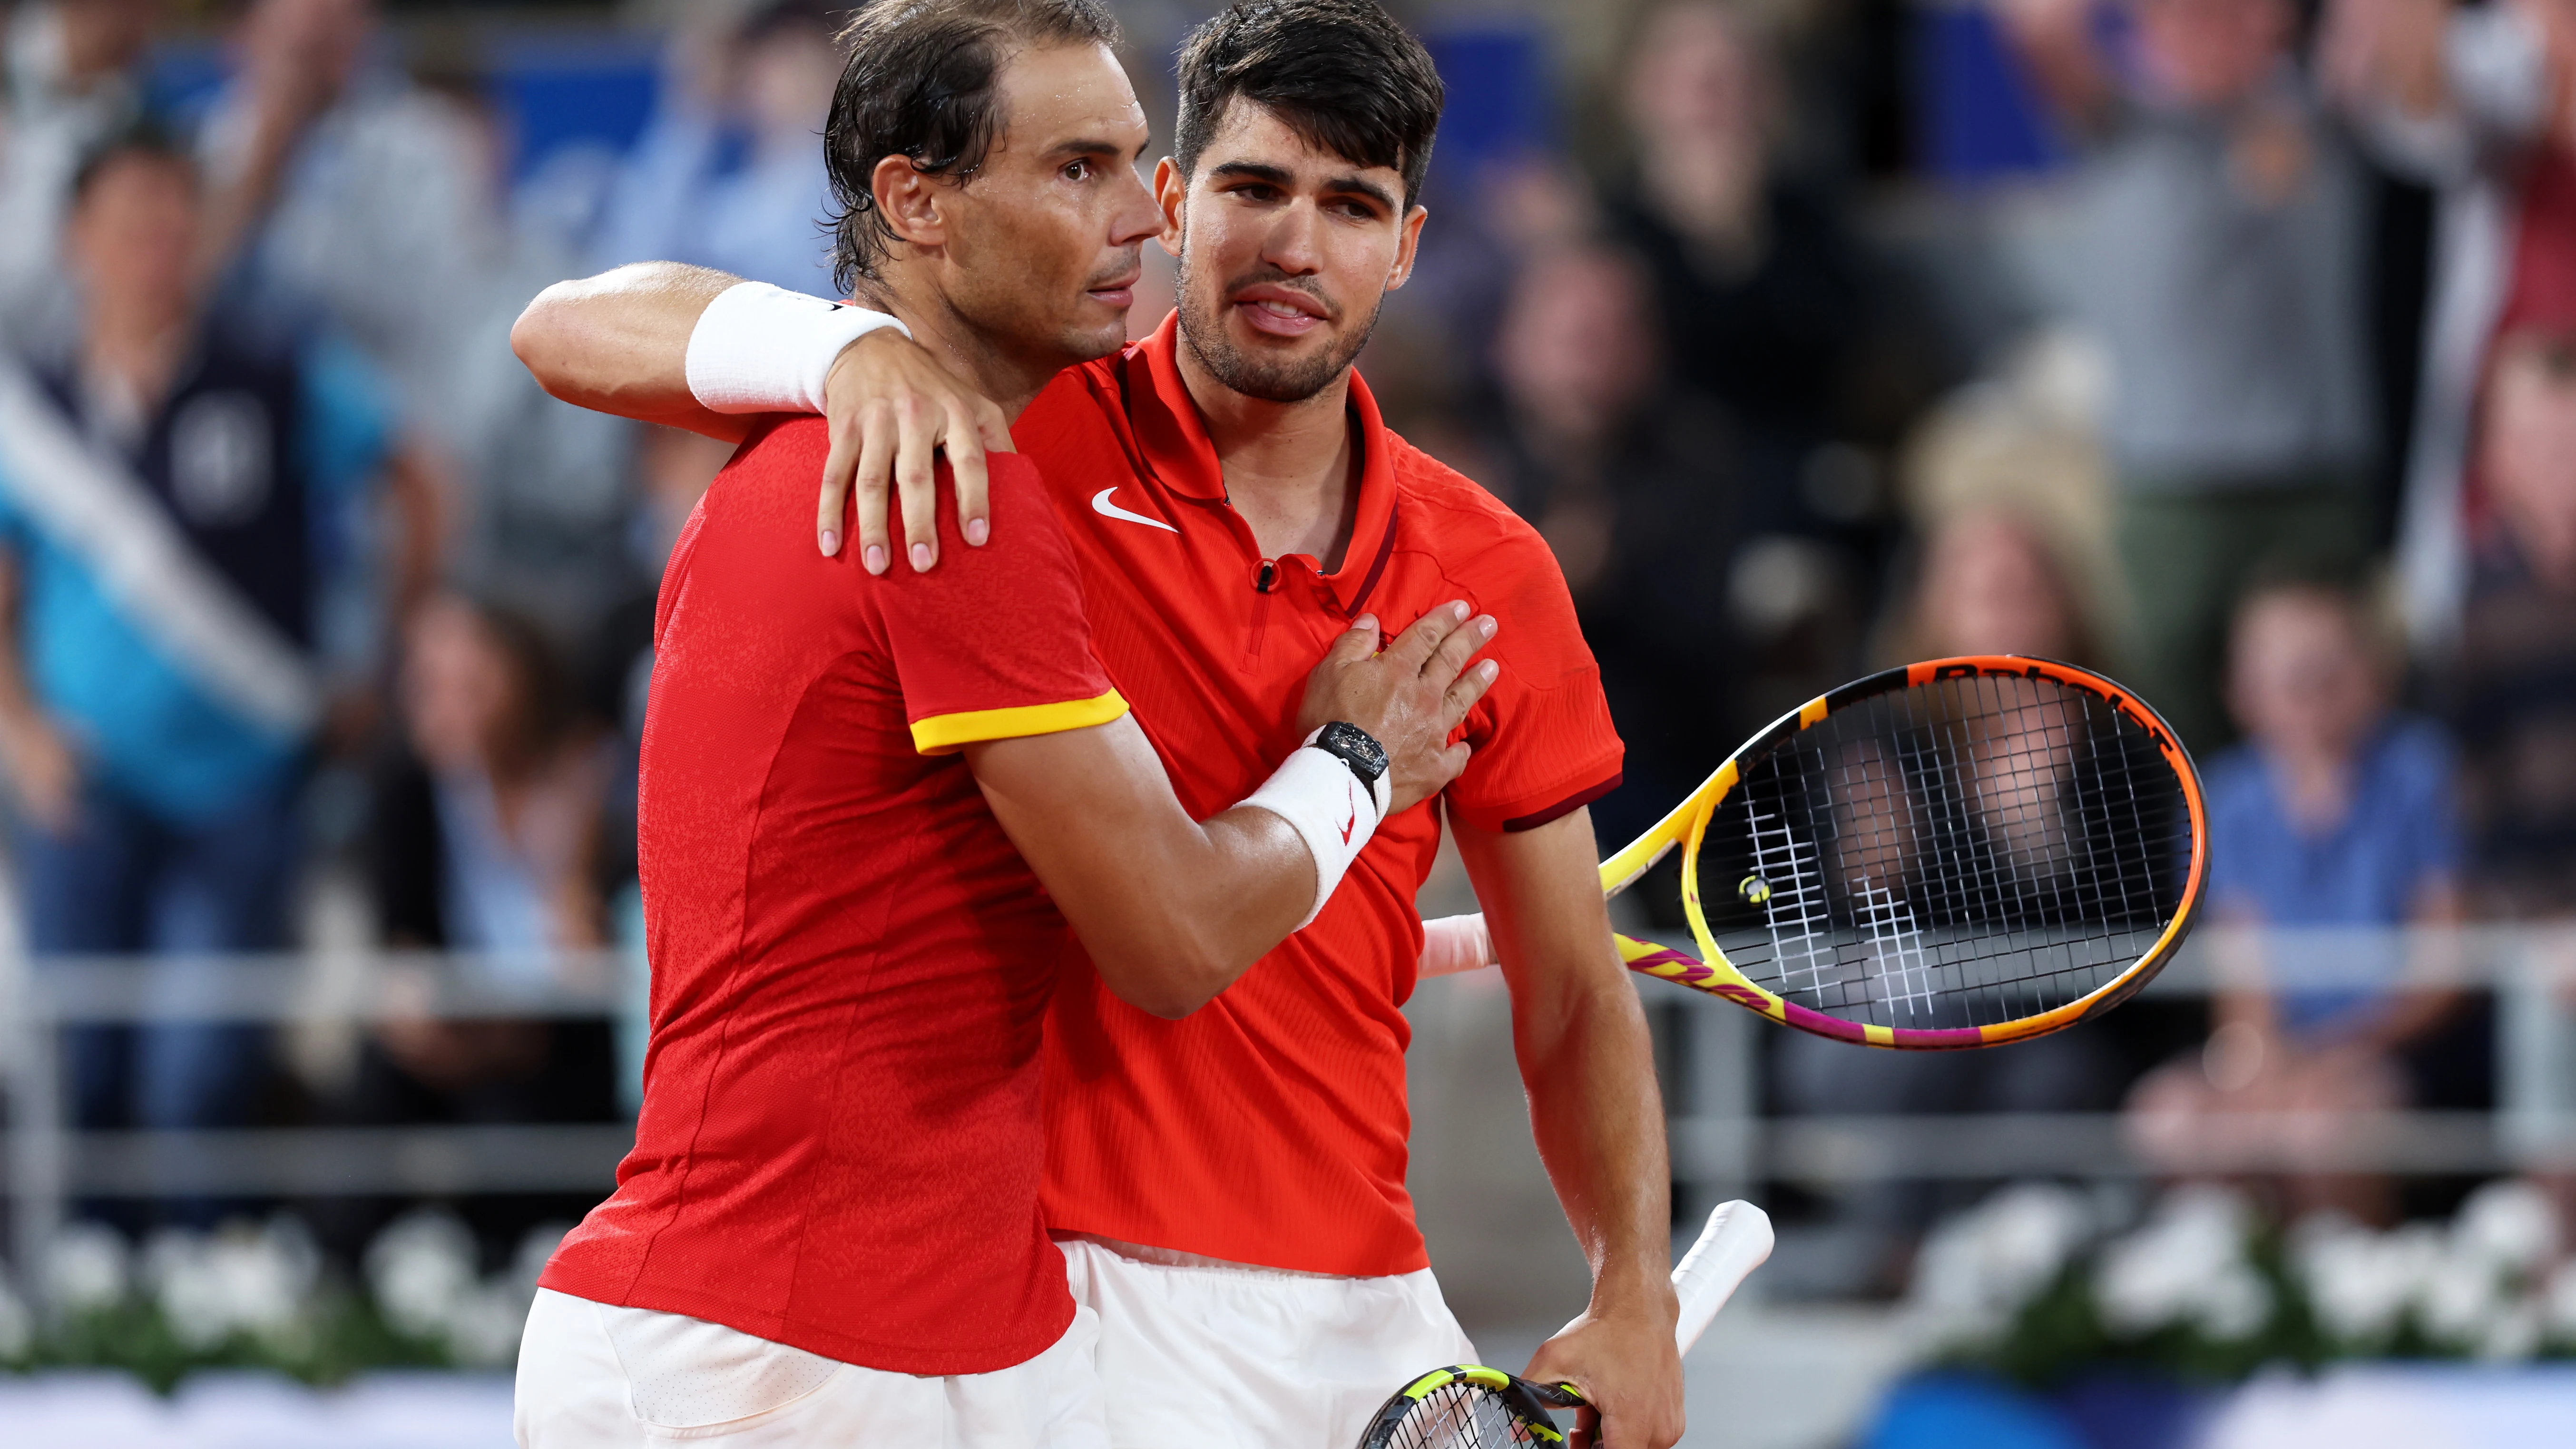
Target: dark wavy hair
{"points": [[1340, 73], [921, 83]]}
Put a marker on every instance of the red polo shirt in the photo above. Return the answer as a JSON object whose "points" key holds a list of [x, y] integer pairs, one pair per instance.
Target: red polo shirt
{"points": [[840, 1141], [1270, 1126]]}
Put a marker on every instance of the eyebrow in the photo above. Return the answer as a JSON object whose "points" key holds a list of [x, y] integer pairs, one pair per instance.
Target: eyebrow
{"points": [[1091, 146], [1281, 177]]}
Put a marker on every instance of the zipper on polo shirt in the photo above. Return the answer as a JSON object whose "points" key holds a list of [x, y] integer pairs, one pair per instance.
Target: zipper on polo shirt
{"points": [[1265, 581]]}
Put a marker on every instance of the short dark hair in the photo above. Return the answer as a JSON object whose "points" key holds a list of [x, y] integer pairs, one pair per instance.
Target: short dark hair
{"points": [[1341, 73], [145, 138], [920, 83]]}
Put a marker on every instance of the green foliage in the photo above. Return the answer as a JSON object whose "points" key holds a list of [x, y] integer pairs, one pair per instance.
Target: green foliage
{"points": [[337, 1335]]}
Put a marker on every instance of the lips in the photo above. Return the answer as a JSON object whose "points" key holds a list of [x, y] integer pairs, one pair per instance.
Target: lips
{"points": [[1119, 292], [1278, 311]]}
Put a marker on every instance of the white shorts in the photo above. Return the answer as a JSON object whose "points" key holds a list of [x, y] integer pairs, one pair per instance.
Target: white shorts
{"points": [[1210, 1357], [593, 1376]]}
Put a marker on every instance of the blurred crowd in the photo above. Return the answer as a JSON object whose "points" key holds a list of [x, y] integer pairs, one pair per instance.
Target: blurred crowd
{"points": [[2258, 392]]}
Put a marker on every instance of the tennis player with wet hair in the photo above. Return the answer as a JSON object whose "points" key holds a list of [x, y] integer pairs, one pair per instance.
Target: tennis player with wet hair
{"points": [[1228, 1189], [854, 787]]}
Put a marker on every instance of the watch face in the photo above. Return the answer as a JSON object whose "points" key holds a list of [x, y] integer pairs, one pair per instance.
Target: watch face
{"points": [[1356, 745]]}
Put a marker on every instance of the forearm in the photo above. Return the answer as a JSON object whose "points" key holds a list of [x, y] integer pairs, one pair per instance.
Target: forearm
{"points": [[1585, 1056], [1588, 1064], [619, 343], [1171, 909]]}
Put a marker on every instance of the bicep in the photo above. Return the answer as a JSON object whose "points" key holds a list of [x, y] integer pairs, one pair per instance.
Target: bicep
{"points": [[1083, 807], [1541, 890]]}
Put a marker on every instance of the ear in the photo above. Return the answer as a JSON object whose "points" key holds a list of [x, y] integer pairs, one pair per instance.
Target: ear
{"points": [[1172, 194], [1407, 248], [909, 201]]}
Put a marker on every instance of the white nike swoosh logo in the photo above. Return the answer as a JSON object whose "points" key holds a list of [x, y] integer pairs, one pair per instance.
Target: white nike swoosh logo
{"points": [[1101, 505]]}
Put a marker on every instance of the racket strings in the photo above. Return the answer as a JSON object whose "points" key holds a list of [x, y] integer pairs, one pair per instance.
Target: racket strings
{"points": [[1461, 1416], [1953, 854]]}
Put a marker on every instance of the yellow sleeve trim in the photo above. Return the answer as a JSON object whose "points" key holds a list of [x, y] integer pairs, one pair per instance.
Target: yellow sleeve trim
{"points": [[944, 734]]}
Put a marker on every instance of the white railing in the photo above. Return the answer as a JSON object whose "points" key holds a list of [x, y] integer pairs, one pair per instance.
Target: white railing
{"points": [[48, 1163], [1723, 1145]]}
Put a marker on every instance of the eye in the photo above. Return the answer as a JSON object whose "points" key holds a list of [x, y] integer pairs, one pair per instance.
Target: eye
{"points": [[1079, 171]]}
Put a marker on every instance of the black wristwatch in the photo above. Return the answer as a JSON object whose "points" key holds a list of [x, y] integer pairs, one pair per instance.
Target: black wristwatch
{"points": [[1359, 750]]}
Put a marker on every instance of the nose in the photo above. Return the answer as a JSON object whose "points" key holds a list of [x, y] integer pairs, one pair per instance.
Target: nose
{"points": [[1292, 244], [1136, 215]]}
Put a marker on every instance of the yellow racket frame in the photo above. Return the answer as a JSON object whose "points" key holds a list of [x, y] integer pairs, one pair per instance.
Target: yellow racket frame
{"points": [[1688, 823]]}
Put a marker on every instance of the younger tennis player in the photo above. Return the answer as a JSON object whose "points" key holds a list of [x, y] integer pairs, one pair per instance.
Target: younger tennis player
{"points": [[1230, 1188]]}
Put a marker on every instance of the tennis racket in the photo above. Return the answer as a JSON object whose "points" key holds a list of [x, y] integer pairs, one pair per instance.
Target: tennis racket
{"points": [[1957, 853], [1469, 1406]]}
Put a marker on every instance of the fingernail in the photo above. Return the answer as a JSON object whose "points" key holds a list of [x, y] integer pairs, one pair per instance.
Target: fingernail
{"points": [[1363, 623], [876, 559], [921, 558], [1487, 625], [1489, 669], [977, 530], [1458, 611], [831, 543]]}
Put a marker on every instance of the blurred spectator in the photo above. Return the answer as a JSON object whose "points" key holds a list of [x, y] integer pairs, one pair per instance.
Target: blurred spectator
{"points": [[484, 840], [71, 84], [544, 486], [2336, 812], [2479, 101], [348, 188], [729, 174], [1698, 604], [1990, 583], [2514, 679], [486, 830], [2024, 443], [172, 486], [2221, 246], [1756, 275]]}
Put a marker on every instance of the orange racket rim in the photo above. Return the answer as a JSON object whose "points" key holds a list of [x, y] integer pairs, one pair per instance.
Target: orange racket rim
{"points": [[1712, 972]]}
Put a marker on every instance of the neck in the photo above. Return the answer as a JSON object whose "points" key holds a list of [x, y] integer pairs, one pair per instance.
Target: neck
{"points": [[1011, 377], [1291, 469], [2318, 784], [139, 346]]}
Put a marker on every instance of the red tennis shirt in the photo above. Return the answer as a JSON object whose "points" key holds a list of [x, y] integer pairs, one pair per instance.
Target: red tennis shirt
{"points": [[1270, 1126], [840, 1141]]}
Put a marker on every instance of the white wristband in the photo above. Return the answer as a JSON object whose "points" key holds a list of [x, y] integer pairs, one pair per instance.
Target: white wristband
{"points": [[1330, 810], [764, 349]]}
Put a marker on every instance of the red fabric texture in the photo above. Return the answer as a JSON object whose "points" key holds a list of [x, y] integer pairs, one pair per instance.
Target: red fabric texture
{"points": [[2542, 292], [840, 1141], [1270, 1126]]}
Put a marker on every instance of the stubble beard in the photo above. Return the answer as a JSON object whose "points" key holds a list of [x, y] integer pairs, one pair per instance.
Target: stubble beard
{"points": [[1285, 380]]}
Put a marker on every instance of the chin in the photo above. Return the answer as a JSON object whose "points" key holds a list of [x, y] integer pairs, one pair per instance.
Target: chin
{"points": [[1094, 337]]}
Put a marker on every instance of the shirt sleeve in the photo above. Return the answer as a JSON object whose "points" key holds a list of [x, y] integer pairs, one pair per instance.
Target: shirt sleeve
{"points": [[1543, 741], [992, 643]]}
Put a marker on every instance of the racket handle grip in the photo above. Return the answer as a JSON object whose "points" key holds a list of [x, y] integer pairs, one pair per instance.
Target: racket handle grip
{"points": [[1453, 944], [1735, 1242]]}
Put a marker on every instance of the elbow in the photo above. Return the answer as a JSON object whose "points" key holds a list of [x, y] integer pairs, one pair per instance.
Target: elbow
{"points": [[1172, 980], [538, 339]]}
